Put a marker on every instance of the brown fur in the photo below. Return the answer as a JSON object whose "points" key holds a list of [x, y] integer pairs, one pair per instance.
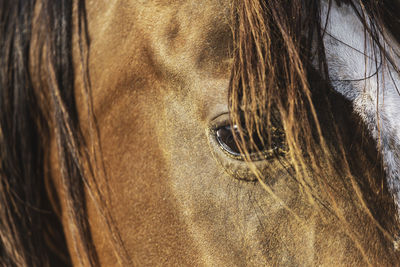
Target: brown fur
{"points": [[137, 177], [164, 79]]}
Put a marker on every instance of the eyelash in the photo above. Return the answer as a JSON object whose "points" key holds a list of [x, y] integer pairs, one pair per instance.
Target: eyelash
{"points": [[228, 145], [233, 163]]}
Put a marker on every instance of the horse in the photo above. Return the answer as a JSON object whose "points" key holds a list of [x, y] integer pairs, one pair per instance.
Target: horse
{"points": [[199, 133]]}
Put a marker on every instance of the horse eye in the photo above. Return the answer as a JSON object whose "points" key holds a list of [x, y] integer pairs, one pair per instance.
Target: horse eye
{"points": [[276, 145], [225, 139]]}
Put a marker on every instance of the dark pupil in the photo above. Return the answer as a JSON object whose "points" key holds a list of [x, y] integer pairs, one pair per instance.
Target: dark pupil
{"points": [[226, 140]]}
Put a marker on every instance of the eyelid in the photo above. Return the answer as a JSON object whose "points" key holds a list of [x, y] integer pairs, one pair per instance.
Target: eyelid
{"points": [[217, 123], [235, 166], [280, 148]]}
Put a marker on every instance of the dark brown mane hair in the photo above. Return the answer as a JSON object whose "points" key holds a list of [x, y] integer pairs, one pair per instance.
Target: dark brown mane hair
{"points": [[272, 76], [37, 102]]}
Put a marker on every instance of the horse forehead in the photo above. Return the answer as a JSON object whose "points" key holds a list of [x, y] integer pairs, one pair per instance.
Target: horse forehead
{"points": [[182, 47], [169, 18]]}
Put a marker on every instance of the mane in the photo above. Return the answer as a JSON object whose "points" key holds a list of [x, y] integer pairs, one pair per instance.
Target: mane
{"points": [[37, 101], [272, 77]]}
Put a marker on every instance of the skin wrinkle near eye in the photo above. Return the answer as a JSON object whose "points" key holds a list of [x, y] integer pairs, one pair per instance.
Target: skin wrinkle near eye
{"points": [[277, 148], [196, 213], [236, 167], [272, 170]]}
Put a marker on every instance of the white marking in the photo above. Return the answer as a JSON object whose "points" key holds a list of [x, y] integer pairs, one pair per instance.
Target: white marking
{"points": [[375, 98]]}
